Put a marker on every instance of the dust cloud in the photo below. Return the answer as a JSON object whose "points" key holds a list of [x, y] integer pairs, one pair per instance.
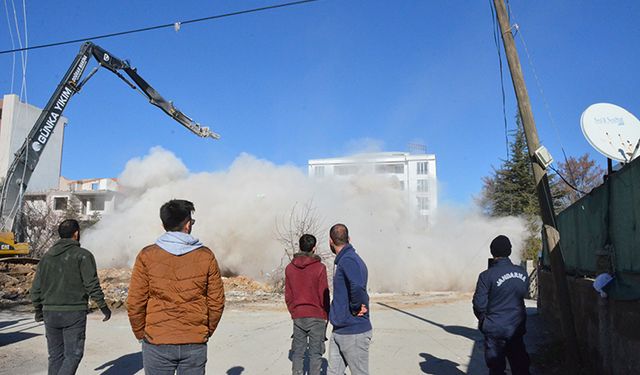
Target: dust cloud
{"points": [[237, 210]]}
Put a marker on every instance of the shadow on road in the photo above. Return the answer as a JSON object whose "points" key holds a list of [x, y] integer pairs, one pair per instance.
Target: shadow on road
{"points": [[469, 333], [323, 369], [476, 357], [237, 370], [128, 364], [13, 337], [14, 334], [438, 366], [8, 323]]}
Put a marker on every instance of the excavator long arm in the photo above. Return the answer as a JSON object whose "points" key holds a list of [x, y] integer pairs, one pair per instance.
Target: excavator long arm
{"points": [[27, 157]]}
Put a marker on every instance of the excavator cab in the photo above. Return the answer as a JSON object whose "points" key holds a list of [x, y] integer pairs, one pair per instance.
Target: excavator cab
{"points": [[9, 247]]}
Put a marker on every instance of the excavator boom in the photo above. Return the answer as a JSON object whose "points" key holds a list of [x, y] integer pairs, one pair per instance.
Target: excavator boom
{"points": [[27, 157]]}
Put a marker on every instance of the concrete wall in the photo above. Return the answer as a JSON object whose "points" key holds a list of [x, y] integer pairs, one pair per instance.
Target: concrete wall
{"points": [[16, 121], [608, 331]]}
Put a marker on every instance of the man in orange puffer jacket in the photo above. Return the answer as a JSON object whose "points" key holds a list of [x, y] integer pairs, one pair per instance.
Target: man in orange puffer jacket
{"points": [[176, 296]]}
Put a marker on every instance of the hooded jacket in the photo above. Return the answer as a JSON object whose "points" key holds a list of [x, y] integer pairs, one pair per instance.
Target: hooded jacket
{"points": [[65, 278], [498, 301], [176, 295], [306, 289], [349, 293]]}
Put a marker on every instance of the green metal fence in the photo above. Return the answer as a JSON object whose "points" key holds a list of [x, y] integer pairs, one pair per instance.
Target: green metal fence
{"points": [[606, 221]]}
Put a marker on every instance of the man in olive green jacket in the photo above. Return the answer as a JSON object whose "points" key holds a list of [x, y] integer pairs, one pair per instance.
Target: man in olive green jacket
{"points": [[65, 278]]}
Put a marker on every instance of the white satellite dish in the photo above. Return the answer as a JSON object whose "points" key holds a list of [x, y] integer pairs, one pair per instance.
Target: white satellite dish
{"points": [[612, 130]]}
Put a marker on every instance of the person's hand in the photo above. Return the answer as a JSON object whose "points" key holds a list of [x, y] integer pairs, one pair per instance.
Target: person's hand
{"points": [[107, 313], [39, 316], [363, 310]]}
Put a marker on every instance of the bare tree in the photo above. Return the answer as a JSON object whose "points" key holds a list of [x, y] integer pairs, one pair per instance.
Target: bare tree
{"points": [[302, 219], [41, 223], [581, 175]]}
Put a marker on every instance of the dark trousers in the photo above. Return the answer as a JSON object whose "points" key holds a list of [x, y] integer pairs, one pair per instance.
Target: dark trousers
{"points": [[65, 331], [495, 351], [186, 359], [308, 333]]}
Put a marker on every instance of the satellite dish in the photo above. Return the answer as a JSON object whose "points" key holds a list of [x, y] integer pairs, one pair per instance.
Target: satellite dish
{"points": [[612, 130]]}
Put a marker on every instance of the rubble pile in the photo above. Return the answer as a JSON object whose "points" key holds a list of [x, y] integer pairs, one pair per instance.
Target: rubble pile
{"points": [[16, 280], [240, 290], [115, 286]]}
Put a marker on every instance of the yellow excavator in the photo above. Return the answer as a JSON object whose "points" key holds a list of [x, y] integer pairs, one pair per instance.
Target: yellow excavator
{"points": [[9, 246], [12, 228]]}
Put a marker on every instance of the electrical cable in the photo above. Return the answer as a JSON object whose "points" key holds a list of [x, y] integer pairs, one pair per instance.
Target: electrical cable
{"points": [[23, 87], [542, 95], [175, 25], [548, 200], [25, 53], [496, 40], [13, 44], [566, 182], [548, 110]]}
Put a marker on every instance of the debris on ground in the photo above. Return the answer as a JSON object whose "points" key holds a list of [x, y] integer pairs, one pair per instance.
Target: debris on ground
{"points": [[16, 280]]}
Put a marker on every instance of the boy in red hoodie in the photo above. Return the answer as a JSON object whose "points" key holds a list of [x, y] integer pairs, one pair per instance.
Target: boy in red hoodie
{"points": [[306, 292]]}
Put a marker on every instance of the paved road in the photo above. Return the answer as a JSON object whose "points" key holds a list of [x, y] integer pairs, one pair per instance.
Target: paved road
{"points": [[417, 334]]}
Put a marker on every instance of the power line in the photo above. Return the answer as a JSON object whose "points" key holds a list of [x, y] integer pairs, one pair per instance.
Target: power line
{"points": [[567, 182], [496, 38], [167, 25], [13, 44]]}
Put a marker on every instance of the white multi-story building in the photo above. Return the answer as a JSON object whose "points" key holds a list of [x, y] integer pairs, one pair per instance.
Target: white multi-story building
{"points": [[416, 174], [16, 121]]}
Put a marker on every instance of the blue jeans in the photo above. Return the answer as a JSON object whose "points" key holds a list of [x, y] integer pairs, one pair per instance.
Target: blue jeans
{"points": [[186, 359], [349, 351], [65, 331]]}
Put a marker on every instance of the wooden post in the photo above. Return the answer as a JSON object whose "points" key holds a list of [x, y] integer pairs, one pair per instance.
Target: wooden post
{"points": [[545, 199], [563, 298]]}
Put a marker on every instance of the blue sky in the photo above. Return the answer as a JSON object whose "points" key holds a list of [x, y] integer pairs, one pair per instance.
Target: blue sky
{"points": [[317, 80]]}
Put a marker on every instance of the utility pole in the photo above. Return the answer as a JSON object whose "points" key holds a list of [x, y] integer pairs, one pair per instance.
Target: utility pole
{"points": [[550, 233]]}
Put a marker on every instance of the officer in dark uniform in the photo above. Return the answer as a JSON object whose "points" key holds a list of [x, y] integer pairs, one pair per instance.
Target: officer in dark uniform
{"points": [[498, 303]]}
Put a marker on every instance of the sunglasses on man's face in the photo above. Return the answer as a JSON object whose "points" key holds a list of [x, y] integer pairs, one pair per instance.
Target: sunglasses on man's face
{"points": [[192, 221]]}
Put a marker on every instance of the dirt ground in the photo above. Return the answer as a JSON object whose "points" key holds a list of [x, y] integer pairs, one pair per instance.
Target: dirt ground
{"points": [[16, 280]]}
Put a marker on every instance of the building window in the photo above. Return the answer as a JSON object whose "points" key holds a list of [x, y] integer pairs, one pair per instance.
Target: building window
{"points": [[423, 203], [60, 203], [390, 168], [95, 186], [97, 204], [35, 198], [345, 170], [422, 167], [423, 186], [318, 171]]}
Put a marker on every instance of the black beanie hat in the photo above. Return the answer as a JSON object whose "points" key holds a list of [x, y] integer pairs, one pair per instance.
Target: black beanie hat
{"points": [[500, 246]]}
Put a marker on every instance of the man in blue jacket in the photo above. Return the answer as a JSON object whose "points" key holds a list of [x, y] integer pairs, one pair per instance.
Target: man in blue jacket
{"points": [[498, 303], [349, 312]]}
